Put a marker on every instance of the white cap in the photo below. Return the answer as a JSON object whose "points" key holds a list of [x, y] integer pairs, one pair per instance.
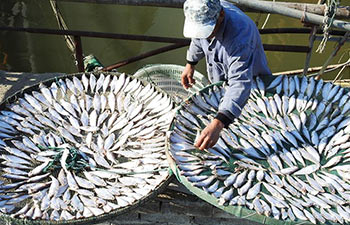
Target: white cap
{"points": [[200, 17]]}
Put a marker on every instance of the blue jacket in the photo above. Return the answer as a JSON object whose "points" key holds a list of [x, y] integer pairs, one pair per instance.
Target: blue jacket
{"points": [[234, 55]]}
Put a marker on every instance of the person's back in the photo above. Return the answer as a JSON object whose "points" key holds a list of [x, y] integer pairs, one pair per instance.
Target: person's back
{"points": [[247, 34], [238, 36]]}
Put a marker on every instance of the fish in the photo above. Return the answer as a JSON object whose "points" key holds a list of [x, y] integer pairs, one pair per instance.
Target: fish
{"points": [[74, 110], [41, 98], [254, 191], [33, 102], [293, 135], [226, 196], [343, 99], [116, 128], [70, 85], [276, 81]]}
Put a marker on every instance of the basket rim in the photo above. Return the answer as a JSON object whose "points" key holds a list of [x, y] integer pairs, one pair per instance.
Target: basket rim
{"points": [[145, 74], [143, 71]]}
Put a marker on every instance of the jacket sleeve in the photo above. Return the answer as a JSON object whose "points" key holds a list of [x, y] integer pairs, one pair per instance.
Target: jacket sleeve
{"points": [[239, 76], [195, 51]]}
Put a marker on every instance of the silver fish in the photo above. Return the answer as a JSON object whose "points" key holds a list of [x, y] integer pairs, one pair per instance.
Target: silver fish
{"points": [[275, 82], [71, 86]]}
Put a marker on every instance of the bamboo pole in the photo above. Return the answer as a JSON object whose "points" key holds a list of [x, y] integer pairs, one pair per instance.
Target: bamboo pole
{"points": [[333, 54], [310, 70], [79, 53], [307, 17], [311, 45], [312, 38], [342, 12], [62, 25]]}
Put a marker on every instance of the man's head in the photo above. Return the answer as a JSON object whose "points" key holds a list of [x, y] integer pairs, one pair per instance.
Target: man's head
{"points": [[201, 17]]}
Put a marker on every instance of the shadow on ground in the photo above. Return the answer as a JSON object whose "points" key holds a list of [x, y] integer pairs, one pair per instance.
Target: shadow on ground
{"points": [[11, 82]]}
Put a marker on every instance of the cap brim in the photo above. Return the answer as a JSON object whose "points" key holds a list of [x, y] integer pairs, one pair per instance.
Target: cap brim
{"points": [[196, 30]]}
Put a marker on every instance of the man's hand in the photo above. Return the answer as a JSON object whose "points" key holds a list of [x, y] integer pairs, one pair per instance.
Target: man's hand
{"points": [[209, 135], [187, 76]]}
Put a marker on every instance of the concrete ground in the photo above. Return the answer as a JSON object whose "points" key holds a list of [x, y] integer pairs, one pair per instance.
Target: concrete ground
{"points": [[11, 82], [174, 206]]}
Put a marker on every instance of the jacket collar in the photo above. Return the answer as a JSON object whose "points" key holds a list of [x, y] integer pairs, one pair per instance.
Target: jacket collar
{"points": [[220, 33]]}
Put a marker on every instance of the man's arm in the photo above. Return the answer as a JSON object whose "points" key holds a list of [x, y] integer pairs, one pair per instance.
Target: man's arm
{"points": [[194, 54], [236, 95], [240, 75]]}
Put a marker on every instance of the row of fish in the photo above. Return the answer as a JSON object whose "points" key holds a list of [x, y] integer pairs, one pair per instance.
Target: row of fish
{"points": [[286, 156], [82, 147]]}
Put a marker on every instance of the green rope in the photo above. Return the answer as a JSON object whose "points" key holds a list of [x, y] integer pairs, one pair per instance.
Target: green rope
{"points": [[132, 173], [331, 8], [56, 80], [76, 159], [43, 148]]}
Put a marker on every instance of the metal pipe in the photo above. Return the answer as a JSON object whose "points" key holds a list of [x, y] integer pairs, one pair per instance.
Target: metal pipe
{"points": [[335, 39], [298, 31], [99, 35], [307, 17], [152, 38], [143, 55], [267, 47], [79, 53], [284, 30], [157, 3], [286, 48]]}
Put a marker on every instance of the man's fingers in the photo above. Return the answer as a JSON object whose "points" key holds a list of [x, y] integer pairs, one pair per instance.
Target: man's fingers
{"points": [[209, 136], [210, 144], [199, 141], [184, 81], [188, 81], [204, 144], [192, 81]]}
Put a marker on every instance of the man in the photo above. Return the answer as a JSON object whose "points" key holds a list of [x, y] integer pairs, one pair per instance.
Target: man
{"points": [[230, 42]]}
